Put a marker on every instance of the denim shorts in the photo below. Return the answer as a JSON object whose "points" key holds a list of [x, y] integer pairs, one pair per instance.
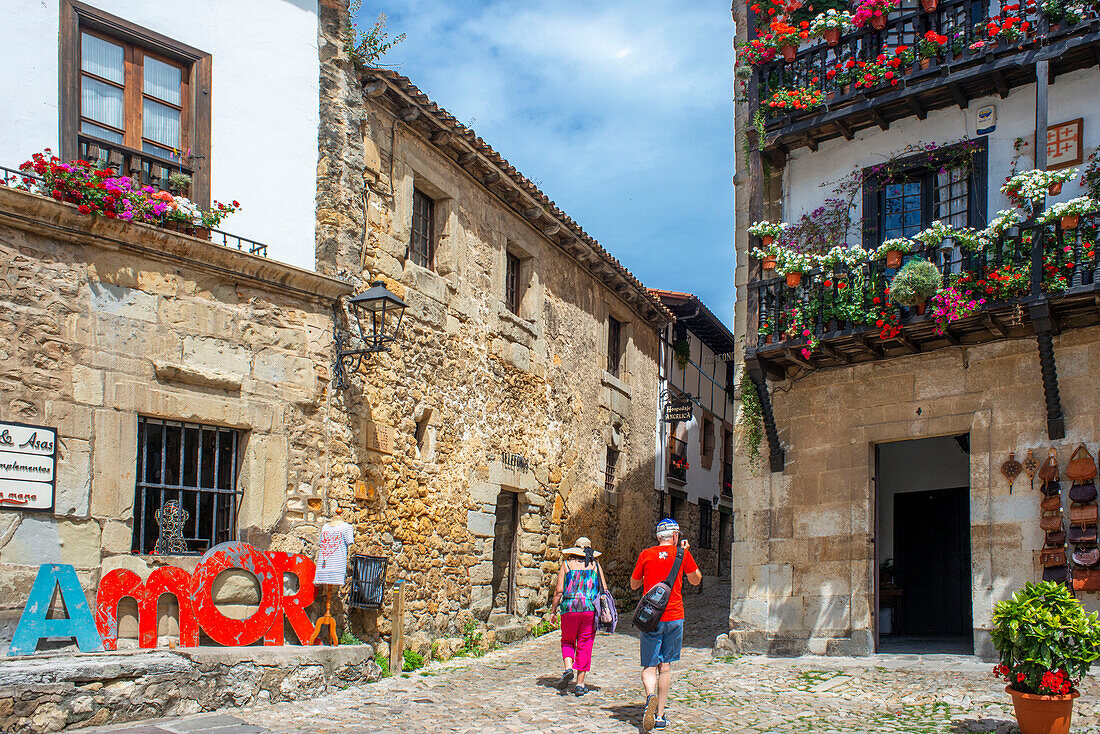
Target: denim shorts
{"points": [[663, 645]]}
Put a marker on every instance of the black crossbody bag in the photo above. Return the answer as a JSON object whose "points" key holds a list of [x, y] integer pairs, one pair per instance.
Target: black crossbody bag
{"points": [[648, 613]]}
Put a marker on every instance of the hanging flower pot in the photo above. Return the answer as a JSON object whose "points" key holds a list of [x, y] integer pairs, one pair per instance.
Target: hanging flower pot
{"points": [[768, 263], [832, 36], [1037, 714], [767, 240], [788, 52], [1069, 221], [1055, 188], [878, 22], [893, 259], [928, 5], [794, 279]]}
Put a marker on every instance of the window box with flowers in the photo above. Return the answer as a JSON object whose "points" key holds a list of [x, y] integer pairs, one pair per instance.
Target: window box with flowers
{"points": [[873, 12], [1068, 213], [1027, 189]]}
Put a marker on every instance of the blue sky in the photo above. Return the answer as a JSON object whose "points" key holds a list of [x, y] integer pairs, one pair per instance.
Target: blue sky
{"points": [[620, 111]]}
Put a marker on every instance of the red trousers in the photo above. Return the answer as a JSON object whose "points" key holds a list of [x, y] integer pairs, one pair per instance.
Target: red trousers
{"points": [[578, 630]]}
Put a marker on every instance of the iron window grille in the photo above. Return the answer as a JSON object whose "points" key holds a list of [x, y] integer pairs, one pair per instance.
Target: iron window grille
{"points": [[704, 523], [609, 470], [614, 345], [196, 467], [368, 577], [511, 283], [422, 246]]}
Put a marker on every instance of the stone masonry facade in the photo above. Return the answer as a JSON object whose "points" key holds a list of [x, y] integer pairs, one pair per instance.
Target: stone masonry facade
{"points": [[106, 322], [803, 576], [480, 400]]}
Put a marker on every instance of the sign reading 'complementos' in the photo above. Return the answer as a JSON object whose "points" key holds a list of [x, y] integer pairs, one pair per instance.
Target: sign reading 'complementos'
{"points": [[28, 466]]}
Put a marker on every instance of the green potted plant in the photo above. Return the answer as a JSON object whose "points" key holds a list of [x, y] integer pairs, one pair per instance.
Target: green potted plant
{"points": [[1046, 644], [914, 284]]}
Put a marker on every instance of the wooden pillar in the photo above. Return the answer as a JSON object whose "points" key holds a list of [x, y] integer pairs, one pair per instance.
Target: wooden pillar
{"points": [[397, 628], [1042, 85]]}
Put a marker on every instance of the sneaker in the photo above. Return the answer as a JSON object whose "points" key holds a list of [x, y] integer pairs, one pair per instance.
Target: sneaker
{"points": [[649, 718], [566, 679], [661, 723], [580, 690]]}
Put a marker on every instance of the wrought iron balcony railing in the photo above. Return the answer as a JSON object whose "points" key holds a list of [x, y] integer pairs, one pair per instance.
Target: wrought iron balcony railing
{"points": [[150, 170], [962, 22], [837, 315]]}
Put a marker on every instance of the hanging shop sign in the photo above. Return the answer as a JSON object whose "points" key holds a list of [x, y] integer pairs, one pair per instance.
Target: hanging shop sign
{"points": [[28, 467], [194, 591], [677, 408]]}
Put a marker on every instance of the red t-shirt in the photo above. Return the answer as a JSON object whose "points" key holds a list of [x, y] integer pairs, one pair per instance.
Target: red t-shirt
{"points": [[653, 567]]}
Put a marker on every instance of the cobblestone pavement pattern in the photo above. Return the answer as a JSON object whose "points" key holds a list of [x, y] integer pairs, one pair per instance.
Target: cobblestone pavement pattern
{"points": [[510, 691]]}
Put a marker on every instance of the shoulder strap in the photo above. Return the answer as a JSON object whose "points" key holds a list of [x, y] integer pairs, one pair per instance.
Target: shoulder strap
{"points": [[671, 580]]}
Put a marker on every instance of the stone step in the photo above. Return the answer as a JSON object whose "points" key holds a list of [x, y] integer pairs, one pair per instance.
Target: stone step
{"points": [[509, 633]]}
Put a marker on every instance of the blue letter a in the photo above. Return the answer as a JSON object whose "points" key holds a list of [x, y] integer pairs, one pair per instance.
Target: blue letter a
{"points": [[33, 625]]}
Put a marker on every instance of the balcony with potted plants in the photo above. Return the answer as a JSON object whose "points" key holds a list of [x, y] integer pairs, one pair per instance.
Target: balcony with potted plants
{"points": [[677, 461], [943, 286], [839, 68]]}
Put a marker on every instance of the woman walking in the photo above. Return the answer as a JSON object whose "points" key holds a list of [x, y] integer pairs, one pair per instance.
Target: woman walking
{"points": [[580, 579]]}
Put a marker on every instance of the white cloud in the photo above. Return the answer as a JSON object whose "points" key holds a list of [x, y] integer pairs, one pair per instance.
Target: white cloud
{"points": [[621, 111]]}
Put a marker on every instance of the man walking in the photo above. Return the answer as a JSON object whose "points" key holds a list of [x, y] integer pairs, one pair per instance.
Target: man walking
{"points": [[661, 648]]}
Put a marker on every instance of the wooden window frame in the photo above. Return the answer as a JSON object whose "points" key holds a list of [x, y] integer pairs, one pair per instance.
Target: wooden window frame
{"points": [[428, 238], [615, 331], [513, 287], [874, 223], [195, 126]]}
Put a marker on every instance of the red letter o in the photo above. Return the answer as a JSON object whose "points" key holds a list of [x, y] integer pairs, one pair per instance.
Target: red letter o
{"points": [[226, 630]]}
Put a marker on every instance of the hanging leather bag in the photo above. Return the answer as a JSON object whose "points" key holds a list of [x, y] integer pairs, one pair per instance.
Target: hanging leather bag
{"points": [[1050, 504], [1081, 535], [1086, 556], [1055, 557], [1082, 493], [1055, 539], [1086, 579], [1082, 514], [1081, 465], [1048, 472], [651, 607], [1051, 523], [1051, 488], [1056, 573]]}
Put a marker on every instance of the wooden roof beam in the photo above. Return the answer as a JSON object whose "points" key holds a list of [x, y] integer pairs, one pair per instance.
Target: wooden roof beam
{"points": [[865, 342], [916, 107], [467, 158], [992, 325], [1000, 82], [878, 119], [835, 354], [844, 129], [374, 88], [810, 141], [442, 137], [958, 96], [408, 114]]}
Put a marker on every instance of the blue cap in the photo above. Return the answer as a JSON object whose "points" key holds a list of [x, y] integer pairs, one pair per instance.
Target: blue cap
{"points": [[668, 524]]}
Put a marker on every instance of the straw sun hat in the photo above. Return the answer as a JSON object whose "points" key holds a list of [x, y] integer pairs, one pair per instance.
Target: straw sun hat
{"points": [[579, 548]]}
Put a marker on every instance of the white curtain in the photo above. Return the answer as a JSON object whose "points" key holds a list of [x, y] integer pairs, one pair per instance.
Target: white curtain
{"points": [[160, 123], [162, 81], [101, 102], [102, 58]]}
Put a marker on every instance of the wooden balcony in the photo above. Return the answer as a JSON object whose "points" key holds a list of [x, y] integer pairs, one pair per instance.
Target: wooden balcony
{"points": [[955, 79], [1034, 251]]}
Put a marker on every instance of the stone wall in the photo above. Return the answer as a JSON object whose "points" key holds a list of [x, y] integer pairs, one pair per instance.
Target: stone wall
{"points": [[804, 571], [107, 321], [469, 380]]}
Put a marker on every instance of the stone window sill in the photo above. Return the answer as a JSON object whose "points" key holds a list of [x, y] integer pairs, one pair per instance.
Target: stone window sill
{"points": [[677, 481], [516, 328], [614, 382]]}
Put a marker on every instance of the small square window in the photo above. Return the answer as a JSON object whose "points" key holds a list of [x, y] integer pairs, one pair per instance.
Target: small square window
{"points": [[422, 243]]}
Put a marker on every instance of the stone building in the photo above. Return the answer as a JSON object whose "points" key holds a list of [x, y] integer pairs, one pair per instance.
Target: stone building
{"points": [[880, 519], [695, 455], [522, 393]]}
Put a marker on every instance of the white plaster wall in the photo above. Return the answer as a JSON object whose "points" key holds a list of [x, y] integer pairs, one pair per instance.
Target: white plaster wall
{"points": [[807, 177], [264, 101]]}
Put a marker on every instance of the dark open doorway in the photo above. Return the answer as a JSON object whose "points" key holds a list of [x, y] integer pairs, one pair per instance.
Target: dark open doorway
{"points": [[505, 545], [922, 544]]}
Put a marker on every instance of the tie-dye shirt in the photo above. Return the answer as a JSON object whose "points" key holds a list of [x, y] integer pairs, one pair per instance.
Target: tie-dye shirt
{"points": [[581, 590]]}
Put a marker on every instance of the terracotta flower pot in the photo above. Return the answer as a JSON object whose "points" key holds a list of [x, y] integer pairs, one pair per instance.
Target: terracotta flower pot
{"points": [[1042, 714], [893, 259], [847, 88], [928, 5], [1070, 221], [767, 240], [925, 63], [768, 339], [1054, 189], [788, 52], [920, 308], [793, 279], [878, 22], [832, 36], [768, 263]]}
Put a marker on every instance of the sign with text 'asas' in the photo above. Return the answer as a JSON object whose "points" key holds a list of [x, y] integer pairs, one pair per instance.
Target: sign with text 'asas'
{"points": [[28, 467]]}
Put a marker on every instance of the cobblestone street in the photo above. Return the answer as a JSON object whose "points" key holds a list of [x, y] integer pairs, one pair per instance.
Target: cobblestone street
{"points": [[510, 691]]}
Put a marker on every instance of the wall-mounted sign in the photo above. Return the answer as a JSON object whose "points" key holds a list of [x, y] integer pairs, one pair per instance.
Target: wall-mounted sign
{"points": [[987, 119], [28, 467], [380, 437], [194, 591], [1064, 147], [677, 408]]}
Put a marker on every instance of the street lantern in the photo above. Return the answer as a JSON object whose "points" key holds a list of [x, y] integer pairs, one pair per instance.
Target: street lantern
{"points": [[377, 313]]}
